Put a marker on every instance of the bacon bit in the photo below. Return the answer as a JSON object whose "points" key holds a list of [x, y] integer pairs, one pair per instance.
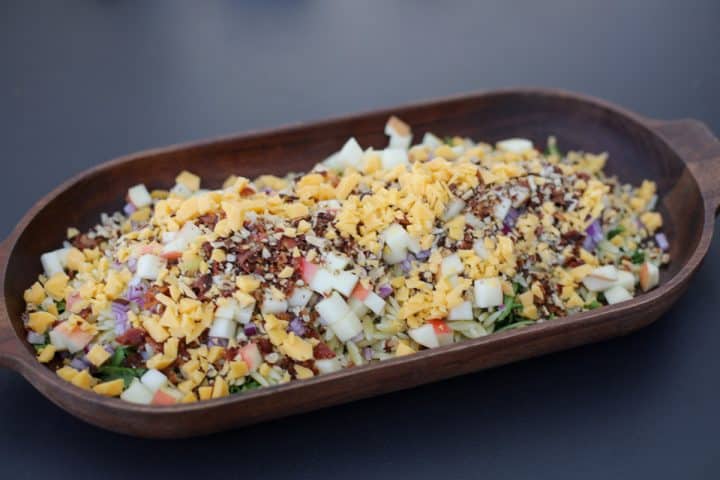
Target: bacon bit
{"points": [[202, 284], [264, 345], [288, 243], [132, 336], [206, 248], [231, 353], [247, 191], [572, 236], [84, 242], [209, 220], [322, 351], [85, 313]]}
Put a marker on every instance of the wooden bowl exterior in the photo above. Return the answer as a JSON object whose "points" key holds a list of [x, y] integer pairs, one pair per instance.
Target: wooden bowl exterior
{"points": [[682, 156]]}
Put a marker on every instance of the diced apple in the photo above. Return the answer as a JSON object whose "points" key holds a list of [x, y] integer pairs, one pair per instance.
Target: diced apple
{"points": [[345, 282], [649, 276], [308, 270], [244, 315], [443, 332], [223, 327], [431, 141], [154, 380], [488, 292], [360, 292], [375, 303], [451, 265], [479, 249], [137, 393], [461, 312], [139, 196], [328, 365], [347, 327], [515, 145], [351, 154], [323, 281], [399, 133], [393, 257], [626, 280], [250, 354], [336, 262], [333, 308], [149, 266], [54, 262], [396, 237], [425, 335], [228, 309], [601, 278], [72, 338], [617, 294], [187, 234], [300, 297], [273, 305], [166, 396], [357, 307]]}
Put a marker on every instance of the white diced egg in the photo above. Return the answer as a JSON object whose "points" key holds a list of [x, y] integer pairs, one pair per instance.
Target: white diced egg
{"points": [[154, 380], [351, 154], [139, 196], [601, 278], [137, 393], [392, 157], [244, 315], [229, 309], [461, 312], [300, 297], [393, 257], [617, 294], [431, 141], [357, 306], [425, 335], [488, 292], [222, 328], [451, 265], [396, 237], [149, 266], [515, 145]]}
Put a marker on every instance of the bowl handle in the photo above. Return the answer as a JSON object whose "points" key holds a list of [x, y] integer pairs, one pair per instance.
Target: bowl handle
{"points": [[697, 145]]}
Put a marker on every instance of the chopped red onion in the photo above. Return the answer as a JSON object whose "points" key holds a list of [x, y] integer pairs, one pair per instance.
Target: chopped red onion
{"points": [[358, 337], [120, 312], [368, 353], [297, 326], [35, 338], [593, 235], [510, 219], [129, 209], [385, 290], [79, 363], [250, 330], [136, 293], [662, 242], [406, 265], [423, 255], [217, 342]]}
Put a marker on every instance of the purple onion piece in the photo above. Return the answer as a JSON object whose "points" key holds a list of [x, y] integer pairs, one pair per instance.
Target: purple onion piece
{"points": [[358, 337], [510, 220], [250, 330], [662, 242], [217, 342], [79, 363], [423, 255], [132, 264], [406, 265], [593, 235], [385, 291], [297, 326], [146, 354], [35, 338], [129, 209], [368, 353], [120, 312]]}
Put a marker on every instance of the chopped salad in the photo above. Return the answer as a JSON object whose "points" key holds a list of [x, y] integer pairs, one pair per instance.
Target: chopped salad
{"points": [[190, 293]]}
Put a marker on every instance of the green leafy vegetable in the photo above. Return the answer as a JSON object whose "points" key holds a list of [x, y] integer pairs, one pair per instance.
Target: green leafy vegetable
{"points": [[110, 372], [615, 232], [250, 384], [638, 257], [593, 305], [508, 314], [518, 324], [119, 356], [61, 306], [552, 149], [448, 141]]}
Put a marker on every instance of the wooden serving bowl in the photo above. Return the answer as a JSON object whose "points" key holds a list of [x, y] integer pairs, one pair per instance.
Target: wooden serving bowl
{"points": [[683, 157]]}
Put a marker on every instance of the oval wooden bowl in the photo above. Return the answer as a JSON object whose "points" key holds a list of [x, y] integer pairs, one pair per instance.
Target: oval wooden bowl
{"points": [[683, 157]]}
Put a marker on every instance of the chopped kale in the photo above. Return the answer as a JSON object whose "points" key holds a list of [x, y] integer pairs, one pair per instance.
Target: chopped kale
{"points": [[119, 356], [638, 257], [61, 306], [250, 384], [110, 372], [593, 305], [614, 232]]}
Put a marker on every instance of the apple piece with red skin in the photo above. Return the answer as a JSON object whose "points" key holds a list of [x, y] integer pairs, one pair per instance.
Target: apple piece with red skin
{"points": [[308, 270], [250, 354], [166, 396], [67, 337], [442, 330]]}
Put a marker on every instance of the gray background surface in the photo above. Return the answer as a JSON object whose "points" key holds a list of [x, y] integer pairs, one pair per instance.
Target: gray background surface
{"points": [[82, 82]]}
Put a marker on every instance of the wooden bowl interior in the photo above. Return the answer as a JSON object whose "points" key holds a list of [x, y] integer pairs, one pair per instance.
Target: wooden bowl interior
{"points": [[635, 153]]}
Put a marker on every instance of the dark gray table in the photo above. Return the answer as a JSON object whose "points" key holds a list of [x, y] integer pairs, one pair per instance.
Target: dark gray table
{"points": [[87, 81]]}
